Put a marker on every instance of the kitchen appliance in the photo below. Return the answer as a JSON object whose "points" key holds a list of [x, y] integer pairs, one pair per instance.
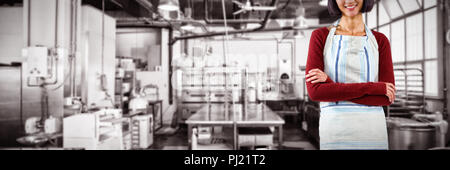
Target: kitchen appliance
{"points": [[137, 104], [409, 134], [141, 131], [150, 92], [255, 137], [37, 60], [36, 124], [32, 125], [205, 134], [52, 125], [101, 130]]}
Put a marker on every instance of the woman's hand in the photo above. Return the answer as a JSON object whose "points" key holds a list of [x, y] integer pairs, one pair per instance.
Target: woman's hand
{"points": [[390, 92], [316, 76]]}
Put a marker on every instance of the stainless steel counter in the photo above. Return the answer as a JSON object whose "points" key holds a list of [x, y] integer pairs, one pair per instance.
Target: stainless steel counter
{"points": [[252, 115]]}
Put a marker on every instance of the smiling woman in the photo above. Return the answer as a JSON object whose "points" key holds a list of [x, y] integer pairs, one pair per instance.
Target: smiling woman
{"points": [[350, 73], [362, 5]]}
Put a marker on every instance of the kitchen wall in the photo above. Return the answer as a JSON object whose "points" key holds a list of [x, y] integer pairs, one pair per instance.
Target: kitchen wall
{"points": [[140, 43], [258, 55], [11, 31]]}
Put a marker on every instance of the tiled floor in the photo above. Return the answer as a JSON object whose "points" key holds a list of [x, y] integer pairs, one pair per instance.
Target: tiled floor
{"points": [[294, 139]]}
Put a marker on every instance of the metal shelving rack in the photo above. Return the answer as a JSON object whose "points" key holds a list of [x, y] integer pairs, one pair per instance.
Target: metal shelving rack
{"points": [[410, 96], [207, 85]]}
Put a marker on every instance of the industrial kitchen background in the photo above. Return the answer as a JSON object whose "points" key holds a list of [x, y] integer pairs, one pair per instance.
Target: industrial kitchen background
{"points": [[200, 74]]}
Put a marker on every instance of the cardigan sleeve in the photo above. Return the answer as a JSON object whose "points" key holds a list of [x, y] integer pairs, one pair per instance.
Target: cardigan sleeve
{"points": [[386, 73], [329, 91]]}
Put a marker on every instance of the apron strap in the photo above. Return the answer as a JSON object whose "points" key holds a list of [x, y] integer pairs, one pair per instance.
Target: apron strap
{"points": [[369, 34], [330, 37]]}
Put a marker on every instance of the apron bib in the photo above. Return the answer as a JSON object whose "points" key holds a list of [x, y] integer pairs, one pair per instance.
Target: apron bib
{"points": [[344, 124]]}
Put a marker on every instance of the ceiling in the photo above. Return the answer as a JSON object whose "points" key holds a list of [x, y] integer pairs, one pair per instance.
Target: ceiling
{"points": [[286, 9], [212, 9]]}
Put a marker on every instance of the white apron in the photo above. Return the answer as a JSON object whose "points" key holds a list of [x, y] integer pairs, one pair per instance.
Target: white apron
{"points": [[344, 124]]}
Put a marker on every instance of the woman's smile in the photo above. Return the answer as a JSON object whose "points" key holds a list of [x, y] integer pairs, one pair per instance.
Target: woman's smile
{"points": [[351, 7]]}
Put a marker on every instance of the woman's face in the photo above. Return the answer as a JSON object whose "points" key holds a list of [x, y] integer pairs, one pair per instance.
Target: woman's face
{"points": [[350, 8]]}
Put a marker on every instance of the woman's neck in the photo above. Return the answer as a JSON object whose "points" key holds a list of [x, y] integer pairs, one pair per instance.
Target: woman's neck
{"points": [[352, 25]]}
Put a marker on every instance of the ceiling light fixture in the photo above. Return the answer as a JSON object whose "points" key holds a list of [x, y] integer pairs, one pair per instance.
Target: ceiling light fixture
{"points": [[187, 27], [323, 3], [300, 21], [169, 5], [188, 17]]}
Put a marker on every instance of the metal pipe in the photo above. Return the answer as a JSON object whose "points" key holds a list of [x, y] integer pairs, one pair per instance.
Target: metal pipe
{"points": [[231, 33], [225, 50], [219, 21], [192, 22], [445, 18], [73, 79], [72, 51], [21, 98], [147, 5], [117, 3], [103, 38], [170, 67], [423, 56], [134, 25], [50, 70], [164, 24], [29, 24], [71, 48], [56, 24], [125, 22], [44, 105], [53, 63], [260, 28], [54, 76]]}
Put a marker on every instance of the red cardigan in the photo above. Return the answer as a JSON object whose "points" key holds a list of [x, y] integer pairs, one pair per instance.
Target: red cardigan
{"points": [[371, 93]]}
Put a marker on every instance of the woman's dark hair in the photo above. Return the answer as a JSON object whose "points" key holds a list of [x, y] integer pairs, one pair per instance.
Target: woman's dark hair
{"points": [[334, 10]]}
